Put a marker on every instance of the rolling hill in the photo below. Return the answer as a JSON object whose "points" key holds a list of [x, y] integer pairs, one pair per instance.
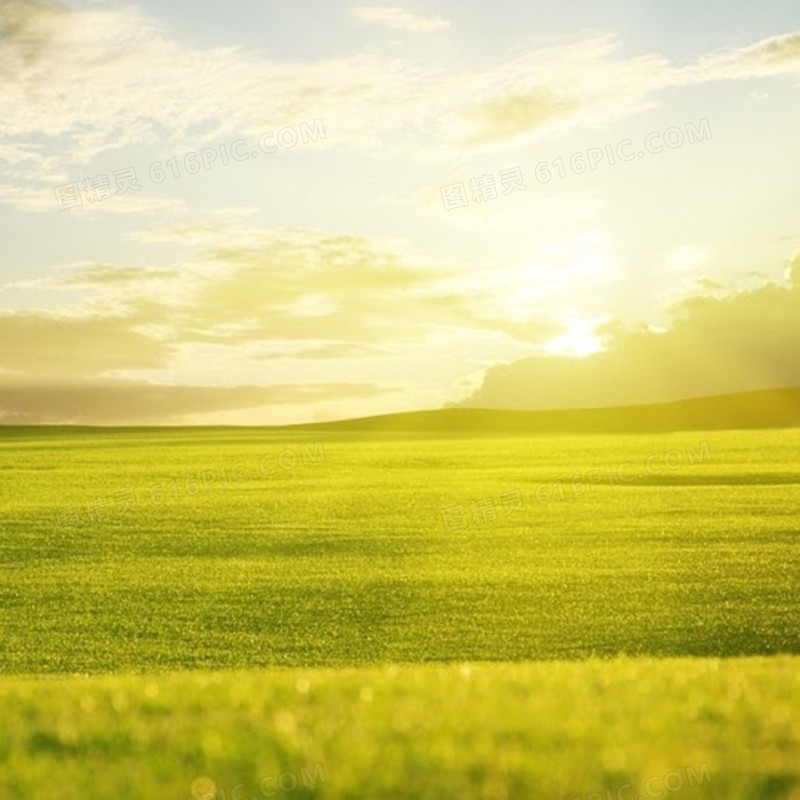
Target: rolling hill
{"points": [[774, 408]]}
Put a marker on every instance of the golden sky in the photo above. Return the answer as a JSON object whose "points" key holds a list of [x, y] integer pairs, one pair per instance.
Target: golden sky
{"points": [[270, 212]]}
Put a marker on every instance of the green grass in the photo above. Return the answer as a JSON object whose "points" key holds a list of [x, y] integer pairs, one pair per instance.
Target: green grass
{"points": [[341, 612], [555, 730], [346, 561]]}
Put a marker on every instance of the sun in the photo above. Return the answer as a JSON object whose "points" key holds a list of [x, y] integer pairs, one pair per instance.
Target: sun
{"points": [[579, 340]]}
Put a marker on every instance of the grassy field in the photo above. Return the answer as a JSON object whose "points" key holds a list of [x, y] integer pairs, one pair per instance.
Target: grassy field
{"points": [[325, 552], [545, 730]]}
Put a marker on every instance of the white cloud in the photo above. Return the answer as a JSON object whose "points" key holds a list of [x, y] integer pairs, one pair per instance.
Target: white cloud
{"points": [[82, 82], [398, 19], [777, 55]]}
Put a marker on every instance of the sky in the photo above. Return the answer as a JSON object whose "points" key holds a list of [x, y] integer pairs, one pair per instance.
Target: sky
{"points": [[275, 212]]}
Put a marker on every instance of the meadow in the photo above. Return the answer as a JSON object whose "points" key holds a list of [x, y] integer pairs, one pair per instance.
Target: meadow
{"points": [[423, 614]]}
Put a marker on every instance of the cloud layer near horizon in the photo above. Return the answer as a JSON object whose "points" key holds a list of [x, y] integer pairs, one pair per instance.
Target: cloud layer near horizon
{"points": [[96, 402], [744, 341], [224, 329]]}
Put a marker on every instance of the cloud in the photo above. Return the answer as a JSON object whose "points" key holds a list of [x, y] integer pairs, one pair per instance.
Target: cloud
{"points": [[398, 19], [148, 89], [43, 199], [249, 285], [135, 402], [99, 275], [774, 56], [38, 343], [290, 304], [745, 341], [323, 350], [507, 117], [29, 27], [547, 90], [360, 293]]}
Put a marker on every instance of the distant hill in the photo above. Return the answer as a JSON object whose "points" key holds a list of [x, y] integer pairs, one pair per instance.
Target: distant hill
{"points": [[774, 408]]}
